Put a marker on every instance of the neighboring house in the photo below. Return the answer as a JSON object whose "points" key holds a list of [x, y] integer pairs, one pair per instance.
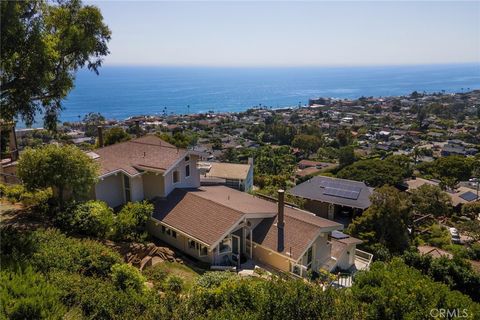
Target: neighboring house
{"points": [[458, 196], [233, 175], [451, 149], [143, 168], [327, 197], [216, 224]]}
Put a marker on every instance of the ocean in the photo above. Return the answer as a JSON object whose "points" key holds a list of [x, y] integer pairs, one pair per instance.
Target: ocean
{"points": [[120, 92]]}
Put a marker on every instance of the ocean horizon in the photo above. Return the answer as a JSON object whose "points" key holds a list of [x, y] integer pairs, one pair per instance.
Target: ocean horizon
{"points": [[119, 92]]}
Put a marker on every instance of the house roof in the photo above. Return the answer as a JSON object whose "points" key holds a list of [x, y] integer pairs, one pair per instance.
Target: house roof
{"points": [[209, 213], [227, 170], [342, 192], [136, 155]]}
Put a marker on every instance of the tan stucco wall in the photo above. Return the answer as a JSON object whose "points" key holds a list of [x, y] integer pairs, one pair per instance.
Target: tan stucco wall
{"points": [[268, 257], [153, 185]]}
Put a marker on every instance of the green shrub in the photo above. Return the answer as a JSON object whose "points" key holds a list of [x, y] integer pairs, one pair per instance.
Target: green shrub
{"points": [[127, 277], [471, 210], [213, 278], [174, 284], [12, 193], [27, 295], [59, 252], [131, 220], [93, 218]]}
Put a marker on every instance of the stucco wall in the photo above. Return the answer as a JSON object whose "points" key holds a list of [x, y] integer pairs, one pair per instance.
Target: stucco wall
{"points": [[347, 259], [193, 181], [136, 188], [273, 259], [110, 190], [153, 185]]}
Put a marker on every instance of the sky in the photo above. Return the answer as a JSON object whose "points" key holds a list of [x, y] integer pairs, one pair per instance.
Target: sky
{"points": [[294, 33]]}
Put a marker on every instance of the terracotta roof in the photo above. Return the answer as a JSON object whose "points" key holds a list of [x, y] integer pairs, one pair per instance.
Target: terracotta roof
{"points": [[228, 170], [148, 152]]}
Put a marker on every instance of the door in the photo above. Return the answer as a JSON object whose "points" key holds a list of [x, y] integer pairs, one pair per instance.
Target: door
{"points": [[235, 244]]}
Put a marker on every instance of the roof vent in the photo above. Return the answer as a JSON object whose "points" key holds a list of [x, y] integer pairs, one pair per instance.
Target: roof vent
{"points": [[92, 155]]}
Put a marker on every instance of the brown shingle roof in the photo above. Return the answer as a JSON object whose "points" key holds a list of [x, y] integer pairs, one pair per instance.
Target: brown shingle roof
{"points": [[148, 152], [207, 213], [196, 216]]}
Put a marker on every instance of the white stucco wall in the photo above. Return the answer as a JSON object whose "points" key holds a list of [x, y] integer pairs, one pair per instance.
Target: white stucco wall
{"points": [[136, 188], [193, 181], [110, 190]]}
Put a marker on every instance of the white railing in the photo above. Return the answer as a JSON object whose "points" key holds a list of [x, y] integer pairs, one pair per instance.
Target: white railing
{"points": [[364, 258]]}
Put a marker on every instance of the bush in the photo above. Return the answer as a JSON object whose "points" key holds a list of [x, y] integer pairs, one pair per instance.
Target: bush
{"points": [[131, 220], [174, 284], [93, 218], [471, 210], [59, 252], [126, 277], [27, 295], [12, 193], [213, 279]]}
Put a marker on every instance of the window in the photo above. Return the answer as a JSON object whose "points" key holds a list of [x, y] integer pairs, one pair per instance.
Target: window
{"points": [[174, 234], [187, 170], [187, 158], [164, 230], [126, 185], [203, 251], [176, 176], [309, 257], [226, 245]]}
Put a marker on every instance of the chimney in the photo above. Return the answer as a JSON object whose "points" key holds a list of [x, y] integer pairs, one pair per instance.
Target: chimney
{"points": [[137, 128], [281, 208], [100, 136]]}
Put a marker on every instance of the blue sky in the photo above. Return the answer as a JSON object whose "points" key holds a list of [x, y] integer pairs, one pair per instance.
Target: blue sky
{"points": [[291, 33]]}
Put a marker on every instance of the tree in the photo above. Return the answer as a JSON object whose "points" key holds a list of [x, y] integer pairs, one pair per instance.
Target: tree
{"points": [[115, 135], [66, 169], [92, 120], [385, 221], [471, 210], [43, 45], [374, 172], [307, 143], [346, 156], [429, 199], [471, 229]]}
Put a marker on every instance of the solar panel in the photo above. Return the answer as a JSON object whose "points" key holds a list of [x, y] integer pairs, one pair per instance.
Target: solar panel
{"points": [[468, 196], [342, 193]]}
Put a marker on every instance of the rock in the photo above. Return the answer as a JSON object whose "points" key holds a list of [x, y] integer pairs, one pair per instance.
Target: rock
{"points": [[146, 262], [156, 260]]}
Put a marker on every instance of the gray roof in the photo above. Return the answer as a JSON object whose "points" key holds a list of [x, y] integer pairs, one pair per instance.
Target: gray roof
{"points": [[342, 192]]}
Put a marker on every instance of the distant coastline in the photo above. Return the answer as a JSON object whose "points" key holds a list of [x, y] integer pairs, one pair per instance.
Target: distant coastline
{"points": [[121, 92]]}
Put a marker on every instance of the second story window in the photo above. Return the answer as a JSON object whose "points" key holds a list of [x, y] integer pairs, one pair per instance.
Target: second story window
{"points": [[176, 176], [187, 158], [187, 170]]}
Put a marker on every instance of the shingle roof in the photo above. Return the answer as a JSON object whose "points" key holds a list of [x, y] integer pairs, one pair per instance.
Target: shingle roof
{"points": [[148, 152], [207, 213], [313, 189], [196, 216]]}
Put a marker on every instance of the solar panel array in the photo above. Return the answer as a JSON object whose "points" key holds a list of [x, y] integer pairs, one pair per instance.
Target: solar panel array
{"points": [[468, 196], [342, 190]]}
